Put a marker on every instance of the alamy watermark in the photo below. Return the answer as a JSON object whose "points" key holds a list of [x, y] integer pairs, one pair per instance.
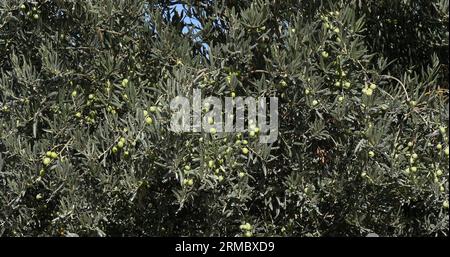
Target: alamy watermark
{"points": [[212, 115]]}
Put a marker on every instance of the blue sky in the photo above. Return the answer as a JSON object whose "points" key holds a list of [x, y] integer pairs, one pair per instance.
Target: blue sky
{"points": [[189, 22]]}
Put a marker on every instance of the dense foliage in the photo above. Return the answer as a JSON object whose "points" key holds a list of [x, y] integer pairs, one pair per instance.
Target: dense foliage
{"points": [[85, 146]]}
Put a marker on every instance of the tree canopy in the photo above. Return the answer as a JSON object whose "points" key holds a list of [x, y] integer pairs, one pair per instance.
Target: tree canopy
{"points": [[85, 144]]}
